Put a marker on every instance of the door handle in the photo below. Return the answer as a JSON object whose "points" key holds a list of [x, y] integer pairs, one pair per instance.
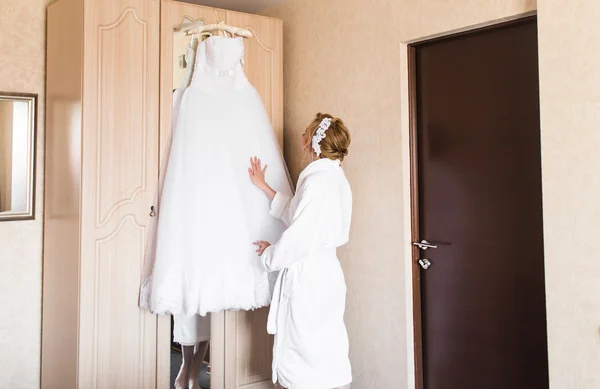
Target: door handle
{"points": [[152, 211], [424, 245]]}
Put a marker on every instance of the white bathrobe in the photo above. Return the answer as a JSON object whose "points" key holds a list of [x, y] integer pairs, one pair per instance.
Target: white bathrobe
{"points": [[307, 311]]}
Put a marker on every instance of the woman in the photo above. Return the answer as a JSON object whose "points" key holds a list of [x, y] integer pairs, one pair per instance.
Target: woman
{"points": [[307, 311]]}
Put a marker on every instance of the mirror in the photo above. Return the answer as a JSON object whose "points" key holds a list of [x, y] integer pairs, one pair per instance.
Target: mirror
{"points": [[17, 155], [181, 40]]}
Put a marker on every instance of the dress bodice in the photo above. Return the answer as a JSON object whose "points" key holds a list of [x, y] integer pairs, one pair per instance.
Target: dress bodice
{"points": [[218, 66]]}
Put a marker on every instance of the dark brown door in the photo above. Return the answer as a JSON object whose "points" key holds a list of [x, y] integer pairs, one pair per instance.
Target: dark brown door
{"points": [[483, 317]]}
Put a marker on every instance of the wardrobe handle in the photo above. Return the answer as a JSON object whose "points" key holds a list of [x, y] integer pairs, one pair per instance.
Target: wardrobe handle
{"points": [[152, 212]]}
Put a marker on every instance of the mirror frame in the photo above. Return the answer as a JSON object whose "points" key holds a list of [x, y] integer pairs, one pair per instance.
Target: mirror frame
{"points": [[31, 99]]}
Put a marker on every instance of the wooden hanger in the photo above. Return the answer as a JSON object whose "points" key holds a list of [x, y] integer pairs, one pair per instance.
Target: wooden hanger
{"points": [[189, 27], [207, 29], [224, 28], [221, 26]]}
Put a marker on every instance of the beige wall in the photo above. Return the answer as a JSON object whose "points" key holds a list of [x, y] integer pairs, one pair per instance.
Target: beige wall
{"points": [[22, 64], [343, 57], [570, 113]]}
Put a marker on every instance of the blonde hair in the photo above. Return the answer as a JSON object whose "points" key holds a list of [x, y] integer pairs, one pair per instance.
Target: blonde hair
{"points": [[337, 140]]}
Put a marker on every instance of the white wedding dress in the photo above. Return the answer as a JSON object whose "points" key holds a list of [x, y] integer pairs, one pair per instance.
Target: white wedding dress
{"points": [[200, 258]]}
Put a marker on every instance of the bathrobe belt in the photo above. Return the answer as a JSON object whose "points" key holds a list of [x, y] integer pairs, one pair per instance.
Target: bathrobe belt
{"points": [[285, 284], [284, 287]]}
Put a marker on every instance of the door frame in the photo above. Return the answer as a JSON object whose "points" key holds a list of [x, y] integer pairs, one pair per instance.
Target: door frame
{"points": [[410, 192]]}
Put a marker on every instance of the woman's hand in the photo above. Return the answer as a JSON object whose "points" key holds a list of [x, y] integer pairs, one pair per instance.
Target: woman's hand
{"points": [[262, 246], [257, 175], [257, 172]]}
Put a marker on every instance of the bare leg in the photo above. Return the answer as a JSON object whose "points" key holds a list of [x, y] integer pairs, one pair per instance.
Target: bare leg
{"points": [[186, 363], [199, 354]]}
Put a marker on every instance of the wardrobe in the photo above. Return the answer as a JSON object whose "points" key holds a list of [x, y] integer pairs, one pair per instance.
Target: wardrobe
{"points": [[109, 91]]}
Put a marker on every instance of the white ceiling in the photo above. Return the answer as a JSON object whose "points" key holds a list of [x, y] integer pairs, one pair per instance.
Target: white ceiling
{"points": [[237, 5]]}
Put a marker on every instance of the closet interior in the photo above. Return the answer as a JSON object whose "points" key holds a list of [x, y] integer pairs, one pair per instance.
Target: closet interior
{"points": [[112, 66]]}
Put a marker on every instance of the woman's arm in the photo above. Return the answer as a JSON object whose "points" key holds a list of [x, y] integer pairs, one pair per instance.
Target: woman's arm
{"points": [[257, 175], [280, 203], [303, 235]]}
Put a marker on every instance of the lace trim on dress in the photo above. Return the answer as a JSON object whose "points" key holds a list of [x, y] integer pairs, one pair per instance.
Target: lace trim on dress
{"points": [[164, 306]]}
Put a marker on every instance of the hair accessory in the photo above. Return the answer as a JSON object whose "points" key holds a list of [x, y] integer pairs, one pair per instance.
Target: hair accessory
{"points": [[320, 135]]}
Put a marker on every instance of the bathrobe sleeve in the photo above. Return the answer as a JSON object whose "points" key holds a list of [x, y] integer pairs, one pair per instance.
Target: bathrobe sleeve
{"points": [[303, 234], [280, 208]]}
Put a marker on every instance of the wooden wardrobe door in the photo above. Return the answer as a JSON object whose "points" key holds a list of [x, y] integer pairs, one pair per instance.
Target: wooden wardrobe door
{"points": [[120, 165], [248, 347]]}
